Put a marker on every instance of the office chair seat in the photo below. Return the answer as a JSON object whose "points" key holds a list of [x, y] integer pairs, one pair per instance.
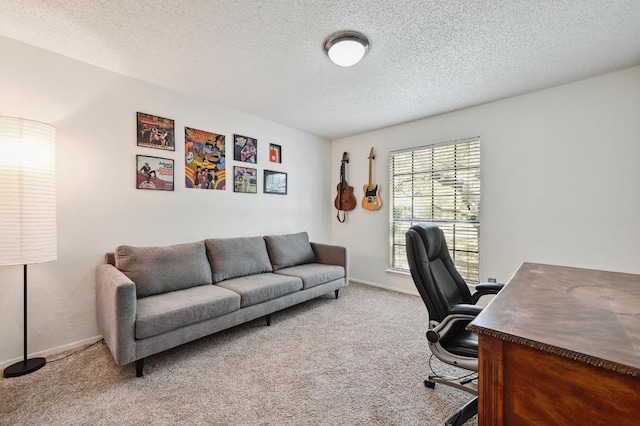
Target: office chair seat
{"points": [[462, 343]]}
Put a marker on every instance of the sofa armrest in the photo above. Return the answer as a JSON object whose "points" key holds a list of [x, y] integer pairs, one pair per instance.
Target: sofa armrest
{"points": [[116, 308], [332, 255]]}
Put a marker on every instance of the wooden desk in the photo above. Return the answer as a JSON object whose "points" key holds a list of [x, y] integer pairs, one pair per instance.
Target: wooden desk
{"points": [[561, 345]]}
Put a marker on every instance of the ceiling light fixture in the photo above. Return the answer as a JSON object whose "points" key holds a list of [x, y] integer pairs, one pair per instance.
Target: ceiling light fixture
{"points": [[346, 48]]}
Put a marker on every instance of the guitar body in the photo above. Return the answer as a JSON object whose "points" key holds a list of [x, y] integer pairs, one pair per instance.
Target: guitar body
{"points": [[345, 200], [371, 199]]}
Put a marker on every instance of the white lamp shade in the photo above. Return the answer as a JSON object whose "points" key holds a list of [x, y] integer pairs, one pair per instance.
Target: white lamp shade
{"points": [[27, 192], [346, 52]]}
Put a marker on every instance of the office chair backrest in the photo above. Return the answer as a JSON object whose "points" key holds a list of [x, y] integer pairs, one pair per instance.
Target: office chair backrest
{"points": [[433, 272]]}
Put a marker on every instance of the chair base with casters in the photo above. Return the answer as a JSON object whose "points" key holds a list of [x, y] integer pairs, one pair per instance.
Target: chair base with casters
{"points": [[466, 385], [451, 307], [464, 413], [452, 344], [459, 349]]}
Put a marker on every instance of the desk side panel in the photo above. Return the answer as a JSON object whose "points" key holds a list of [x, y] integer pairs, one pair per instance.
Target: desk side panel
{"points": [[490, 395], [537, 387]]}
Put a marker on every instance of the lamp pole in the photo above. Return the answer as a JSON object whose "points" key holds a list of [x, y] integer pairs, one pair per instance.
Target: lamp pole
{"points": [[25, 366]]}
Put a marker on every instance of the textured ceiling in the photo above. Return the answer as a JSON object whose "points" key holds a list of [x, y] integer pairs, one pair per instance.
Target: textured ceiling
{"points": [[265, 57]]}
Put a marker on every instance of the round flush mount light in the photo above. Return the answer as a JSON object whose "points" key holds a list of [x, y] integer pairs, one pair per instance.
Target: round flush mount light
{"points": [[346, 48]]}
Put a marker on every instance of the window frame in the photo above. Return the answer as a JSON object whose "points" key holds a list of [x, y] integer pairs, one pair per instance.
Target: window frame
{"points": [[462, 234]]}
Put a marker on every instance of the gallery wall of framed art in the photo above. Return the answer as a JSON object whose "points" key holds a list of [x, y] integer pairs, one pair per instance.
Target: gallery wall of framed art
{"points": [[205, 161]]}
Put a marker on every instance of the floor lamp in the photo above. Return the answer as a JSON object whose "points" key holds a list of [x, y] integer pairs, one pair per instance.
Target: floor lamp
{"points": [[27, 206]]}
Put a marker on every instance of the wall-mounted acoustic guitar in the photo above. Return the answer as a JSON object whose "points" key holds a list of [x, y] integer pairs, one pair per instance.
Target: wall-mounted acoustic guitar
{"points": [[371, 199], [345, 199]]}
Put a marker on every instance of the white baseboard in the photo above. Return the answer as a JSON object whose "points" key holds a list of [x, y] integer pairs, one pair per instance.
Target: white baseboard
{"points": [[52, 351], [386, 287]]}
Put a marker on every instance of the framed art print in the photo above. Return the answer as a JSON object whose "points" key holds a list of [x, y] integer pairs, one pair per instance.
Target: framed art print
{"points": [[245, 180], [245, 149], [204, 160], [275, 182], [154, 173], [275, 153], [155, 132]]}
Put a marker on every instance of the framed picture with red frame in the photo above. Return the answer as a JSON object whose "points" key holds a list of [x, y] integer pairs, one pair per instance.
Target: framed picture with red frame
{"points": [[275, 153]]}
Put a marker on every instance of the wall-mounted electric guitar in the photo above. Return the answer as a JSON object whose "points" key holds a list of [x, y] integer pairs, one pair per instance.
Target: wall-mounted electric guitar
{"points": [[345, 200], [371, 199]]}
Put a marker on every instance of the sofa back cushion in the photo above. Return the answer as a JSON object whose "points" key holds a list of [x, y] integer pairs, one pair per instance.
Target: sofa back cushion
{"points": [[289, 250], [237, 257], [157, 270]]}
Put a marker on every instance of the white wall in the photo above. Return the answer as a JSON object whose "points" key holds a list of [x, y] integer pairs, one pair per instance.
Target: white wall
{"points": [[99, 208], [560, 180]]}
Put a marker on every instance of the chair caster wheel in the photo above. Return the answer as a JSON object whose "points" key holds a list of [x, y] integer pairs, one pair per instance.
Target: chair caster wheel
{"points": [[429, 384]]}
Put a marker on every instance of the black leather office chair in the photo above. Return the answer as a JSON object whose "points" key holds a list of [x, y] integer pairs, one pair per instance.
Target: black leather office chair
{"points": [[451, 307]]}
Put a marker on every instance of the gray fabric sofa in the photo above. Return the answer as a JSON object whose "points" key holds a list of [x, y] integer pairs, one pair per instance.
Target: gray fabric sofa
{"points": [[150, 299]]}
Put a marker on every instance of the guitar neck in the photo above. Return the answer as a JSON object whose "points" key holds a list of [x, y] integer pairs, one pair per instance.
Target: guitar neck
{"points": [[370, 177]]}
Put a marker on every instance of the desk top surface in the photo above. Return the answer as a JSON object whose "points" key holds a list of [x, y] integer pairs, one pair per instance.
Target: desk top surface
{"points": [[584, 314]]}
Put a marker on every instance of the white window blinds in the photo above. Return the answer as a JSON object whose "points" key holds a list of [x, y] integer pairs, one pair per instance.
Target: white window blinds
{"points": [[439, 184]]}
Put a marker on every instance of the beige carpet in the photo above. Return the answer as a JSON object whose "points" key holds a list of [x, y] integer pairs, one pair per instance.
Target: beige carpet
{"points": [[358, 360]]}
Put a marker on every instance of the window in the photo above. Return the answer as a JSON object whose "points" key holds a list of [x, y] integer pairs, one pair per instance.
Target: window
{"points": [[439, 184]]}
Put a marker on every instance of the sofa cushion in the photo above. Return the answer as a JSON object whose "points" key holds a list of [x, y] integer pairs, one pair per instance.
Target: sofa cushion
{"points": [[254, 289], [289, 250], [313, 274], [237, 257], [157, 270], [169, 311]]}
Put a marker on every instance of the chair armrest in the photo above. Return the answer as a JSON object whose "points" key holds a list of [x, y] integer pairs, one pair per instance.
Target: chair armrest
{"points": [[332, 255], [483, 289], [455, 314], [465, 309], [116, 309]]}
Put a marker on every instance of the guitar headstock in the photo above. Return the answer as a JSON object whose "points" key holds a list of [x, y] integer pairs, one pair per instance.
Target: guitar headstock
{"points": [[345, 157], [371, 154]]}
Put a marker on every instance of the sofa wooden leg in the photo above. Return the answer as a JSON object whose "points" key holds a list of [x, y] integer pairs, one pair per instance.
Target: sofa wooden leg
{"points": [[268, 317], [337, 291], [139, 367]]}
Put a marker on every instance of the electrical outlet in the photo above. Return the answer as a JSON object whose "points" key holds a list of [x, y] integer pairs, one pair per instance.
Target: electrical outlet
{"points": [[492, 280]]}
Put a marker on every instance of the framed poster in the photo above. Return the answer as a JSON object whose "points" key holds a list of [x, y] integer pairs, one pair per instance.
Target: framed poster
{"points": [[245, 180], [154, 173], [275, 153], [204, 159], [275, 182], [155, 132], [245, 149]]}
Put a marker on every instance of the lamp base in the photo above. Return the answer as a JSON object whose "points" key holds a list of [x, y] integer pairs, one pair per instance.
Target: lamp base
{"points": [[21, 368]]}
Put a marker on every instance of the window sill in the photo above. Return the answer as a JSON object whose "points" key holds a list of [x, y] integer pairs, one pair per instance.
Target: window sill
{"points": [[397, 272]]}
